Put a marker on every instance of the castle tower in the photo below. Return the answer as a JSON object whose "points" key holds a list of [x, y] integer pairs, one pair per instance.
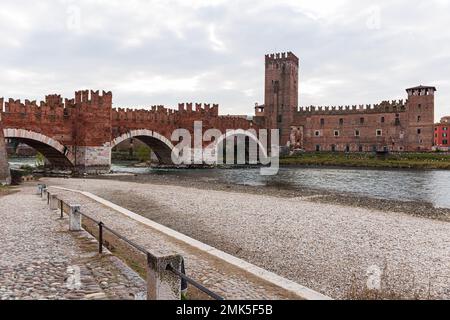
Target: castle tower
{"points": [[281, 92], [420, 115]]}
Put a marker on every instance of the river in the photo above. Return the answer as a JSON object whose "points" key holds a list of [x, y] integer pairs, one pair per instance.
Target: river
{"points": [[431, 186]]}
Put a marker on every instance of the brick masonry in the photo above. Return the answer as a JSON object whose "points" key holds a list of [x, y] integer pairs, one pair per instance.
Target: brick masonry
{"points": [[80, 132], [5, 177], [388, 126]]}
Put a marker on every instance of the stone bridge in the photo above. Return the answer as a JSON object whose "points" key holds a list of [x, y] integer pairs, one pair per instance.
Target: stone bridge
{"points": [[80, 133]]}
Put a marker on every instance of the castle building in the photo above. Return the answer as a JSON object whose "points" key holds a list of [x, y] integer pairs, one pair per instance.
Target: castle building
{"points": [[441, 133], [388, 126]]}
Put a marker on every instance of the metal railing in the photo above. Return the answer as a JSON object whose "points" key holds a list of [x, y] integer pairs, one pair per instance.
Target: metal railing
{"points": [[102, 227]]}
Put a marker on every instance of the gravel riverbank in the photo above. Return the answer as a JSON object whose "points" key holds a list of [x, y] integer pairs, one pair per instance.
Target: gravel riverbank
{"points": [[334, 249]]}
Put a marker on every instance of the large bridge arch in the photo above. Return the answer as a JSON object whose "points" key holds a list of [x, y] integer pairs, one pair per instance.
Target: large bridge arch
{"points": [[160, 145], [216, 147], [56, 153]]}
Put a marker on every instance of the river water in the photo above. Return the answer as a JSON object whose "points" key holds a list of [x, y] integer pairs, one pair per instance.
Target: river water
{"points": [[431, 186]]}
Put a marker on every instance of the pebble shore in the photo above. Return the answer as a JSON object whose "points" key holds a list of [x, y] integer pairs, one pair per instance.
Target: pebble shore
{"points": [[330, 248]]}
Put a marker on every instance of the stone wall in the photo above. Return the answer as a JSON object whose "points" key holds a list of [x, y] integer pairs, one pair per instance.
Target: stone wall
{"points": [[5, 177]]}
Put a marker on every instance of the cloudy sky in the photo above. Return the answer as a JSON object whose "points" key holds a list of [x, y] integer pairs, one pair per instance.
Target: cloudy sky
{"points": [[165, 52]]}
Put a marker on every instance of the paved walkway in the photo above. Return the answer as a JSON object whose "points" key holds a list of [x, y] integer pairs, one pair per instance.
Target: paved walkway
{"points": [[220, 277], [40, 259]]}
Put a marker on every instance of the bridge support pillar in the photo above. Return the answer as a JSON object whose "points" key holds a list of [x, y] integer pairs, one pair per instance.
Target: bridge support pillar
{"points": [[93, 160], [5, 176]]}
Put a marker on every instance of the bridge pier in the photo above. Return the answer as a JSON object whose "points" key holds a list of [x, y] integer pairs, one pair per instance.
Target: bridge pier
{"points": [[5, 176], [93, 160]]}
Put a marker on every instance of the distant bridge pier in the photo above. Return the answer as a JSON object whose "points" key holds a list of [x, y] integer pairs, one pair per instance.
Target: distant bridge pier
{"points": [[92, 160], [5, 177]]}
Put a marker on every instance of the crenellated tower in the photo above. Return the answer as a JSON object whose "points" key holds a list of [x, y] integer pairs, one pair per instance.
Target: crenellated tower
{"points": [[420, 115], [281, 92]]}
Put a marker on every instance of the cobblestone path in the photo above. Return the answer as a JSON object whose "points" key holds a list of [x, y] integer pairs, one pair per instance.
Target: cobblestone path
{"points": [[40, 259], [217, 275]]}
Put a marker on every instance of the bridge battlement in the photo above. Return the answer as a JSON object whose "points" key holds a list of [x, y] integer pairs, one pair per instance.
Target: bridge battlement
{"points": [[200, 108], [81, 131], [393, 106], [93, 98]]}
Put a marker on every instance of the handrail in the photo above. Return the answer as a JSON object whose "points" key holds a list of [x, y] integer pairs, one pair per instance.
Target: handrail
{"points": [[184, 278]]}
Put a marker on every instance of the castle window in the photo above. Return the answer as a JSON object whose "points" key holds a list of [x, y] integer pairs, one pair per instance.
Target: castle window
{"points": [[317, 147], [419, 131], [317, 133], [445, 128], [420, 106], [322, 121], [341, 121], [444, 135], [347, 148], [357, 133], [382, 119], [280, 118], [361, 120], [360, 148], [336, 133], [444, 142], [419, 118], [379, 132], [333, 148]]}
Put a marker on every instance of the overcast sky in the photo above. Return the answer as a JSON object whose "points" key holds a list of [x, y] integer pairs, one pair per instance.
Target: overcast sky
{"points": [[165, 52]]}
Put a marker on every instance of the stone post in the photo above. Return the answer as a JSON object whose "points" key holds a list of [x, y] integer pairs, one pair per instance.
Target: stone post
{"points": [[74, 218], [54, 202], [44, 193], [163, 284]]}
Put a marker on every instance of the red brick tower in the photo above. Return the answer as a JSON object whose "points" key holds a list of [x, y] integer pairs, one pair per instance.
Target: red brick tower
{"points": [[281, 93], [420, 115]]}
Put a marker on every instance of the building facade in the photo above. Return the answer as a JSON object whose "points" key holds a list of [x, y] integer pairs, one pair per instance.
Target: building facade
{"points": [[389, 126], [441, 133]]}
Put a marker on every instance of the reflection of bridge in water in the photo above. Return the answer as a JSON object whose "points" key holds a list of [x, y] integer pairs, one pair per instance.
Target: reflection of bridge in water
{"points": [[80, 133]]}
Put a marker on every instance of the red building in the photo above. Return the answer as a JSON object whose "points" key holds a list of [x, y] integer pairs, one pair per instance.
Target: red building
{"points": [[441, 133]]}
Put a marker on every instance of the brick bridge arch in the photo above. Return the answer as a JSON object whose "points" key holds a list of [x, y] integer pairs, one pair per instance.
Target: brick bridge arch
{"points": [[56, 153], [230, 133], [159, 144]]}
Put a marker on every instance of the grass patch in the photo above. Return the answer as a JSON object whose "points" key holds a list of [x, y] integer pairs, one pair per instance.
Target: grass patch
{"points": [[394, 160]]}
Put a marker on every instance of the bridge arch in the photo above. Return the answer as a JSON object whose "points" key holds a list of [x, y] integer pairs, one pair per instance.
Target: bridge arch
{"points": [[56, 153], [160, 145], [217, 147]]}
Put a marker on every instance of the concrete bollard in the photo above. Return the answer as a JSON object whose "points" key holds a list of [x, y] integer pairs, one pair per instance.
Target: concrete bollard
{"points": [[163, 284], [44, 193], [40, 187], [54, 202], [74, 218]]}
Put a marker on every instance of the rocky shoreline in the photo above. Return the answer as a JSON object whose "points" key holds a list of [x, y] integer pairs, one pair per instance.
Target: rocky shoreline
{"points": [[299, 234]]}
